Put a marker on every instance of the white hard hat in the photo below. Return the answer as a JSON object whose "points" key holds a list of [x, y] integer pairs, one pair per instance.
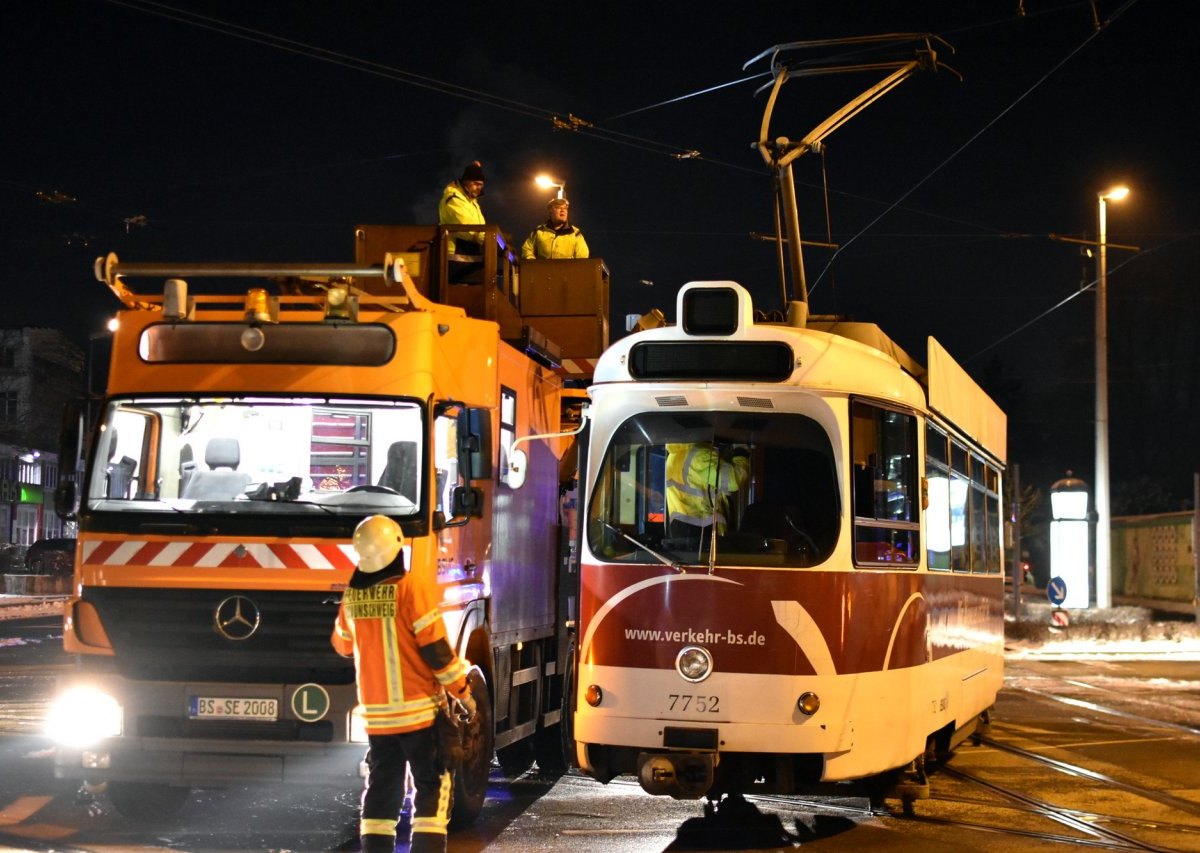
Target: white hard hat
{"points": [[377, 539]]}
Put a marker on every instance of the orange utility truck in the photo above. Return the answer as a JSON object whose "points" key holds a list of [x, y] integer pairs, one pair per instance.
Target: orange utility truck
{"points": [[240, 439]]}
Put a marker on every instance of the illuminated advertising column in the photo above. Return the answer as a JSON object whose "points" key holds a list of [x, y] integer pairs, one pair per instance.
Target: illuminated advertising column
{"points": [[1069, 539]]}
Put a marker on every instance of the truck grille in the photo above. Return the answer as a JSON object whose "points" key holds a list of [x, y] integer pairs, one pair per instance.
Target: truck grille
{"points": [[282, 730], [171, 635]]}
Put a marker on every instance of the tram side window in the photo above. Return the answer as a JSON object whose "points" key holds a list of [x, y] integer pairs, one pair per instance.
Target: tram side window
{"points": [[991, 549], [972, 500], [937, 514], [960, 515], [979, 520], [884, 451]]}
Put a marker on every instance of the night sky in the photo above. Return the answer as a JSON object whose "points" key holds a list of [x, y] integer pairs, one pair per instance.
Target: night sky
{"points": [[266, 131]]}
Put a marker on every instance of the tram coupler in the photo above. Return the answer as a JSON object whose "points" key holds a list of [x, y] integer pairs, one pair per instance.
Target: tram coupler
{"points": [[680, 775]]}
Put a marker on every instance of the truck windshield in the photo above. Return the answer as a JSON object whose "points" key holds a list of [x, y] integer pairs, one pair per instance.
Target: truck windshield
{"points": [[766, 485], [274, 455]]}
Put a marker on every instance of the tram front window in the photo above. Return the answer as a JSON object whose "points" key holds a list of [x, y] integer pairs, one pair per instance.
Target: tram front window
{"points": [[764, 485]]}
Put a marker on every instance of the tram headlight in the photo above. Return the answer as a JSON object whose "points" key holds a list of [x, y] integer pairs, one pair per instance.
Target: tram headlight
{"points": [[593, 695], [694, 663], [808, 703], [84, 716]]}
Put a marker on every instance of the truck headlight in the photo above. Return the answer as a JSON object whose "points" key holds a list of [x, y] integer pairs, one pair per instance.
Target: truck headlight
{"points": [[83, 716]]}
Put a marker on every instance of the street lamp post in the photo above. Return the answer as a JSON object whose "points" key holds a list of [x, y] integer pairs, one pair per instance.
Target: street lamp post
{"points": [[546, 182], [1101, 494]]}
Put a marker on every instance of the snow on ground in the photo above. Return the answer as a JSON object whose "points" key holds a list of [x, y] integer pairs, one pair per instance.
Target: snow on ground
{"points": [[30, 606]]}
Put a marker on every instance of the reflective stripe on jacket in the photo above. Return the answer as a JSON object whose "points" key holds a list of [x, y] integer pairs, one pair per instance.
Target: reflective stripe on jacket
{"points": [[403, 660], [545, 242], [456, 208]]}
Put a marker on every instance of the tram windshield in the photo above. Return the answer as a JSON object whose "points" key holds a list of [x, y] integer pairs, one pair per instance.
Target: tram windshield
{"points": [[766, 485]]}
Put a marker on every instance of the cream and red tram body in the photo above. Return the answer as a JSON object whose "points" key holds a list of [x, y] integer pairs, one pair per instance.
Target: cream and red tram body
{"points": [[848, 615]]}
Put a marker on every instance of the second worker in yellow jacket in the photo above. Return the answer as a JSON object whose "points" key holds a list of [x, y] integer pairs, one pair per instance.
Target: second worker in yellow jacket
{"points": [[556, 238]]}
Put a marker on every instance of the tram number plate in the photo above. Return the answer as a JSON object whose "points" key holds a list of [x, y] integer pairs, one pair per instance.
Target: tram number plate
{"points": [[232, 708], [687, 702]]}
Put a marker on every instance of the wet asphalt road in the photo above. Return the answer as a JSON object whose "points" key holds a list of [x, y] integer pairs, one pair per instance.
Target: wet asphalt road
{"points": [[1104, 753]]}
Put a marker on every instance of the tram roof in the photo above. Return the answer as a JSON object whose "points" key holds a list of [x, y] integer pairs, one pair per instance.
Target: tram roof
{"points": [[949, 389]]}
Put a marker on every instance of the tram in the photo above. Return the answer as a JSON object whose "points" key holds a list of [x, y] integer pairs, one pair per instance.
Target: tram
{"points": [[791, 553], [838, 616]]}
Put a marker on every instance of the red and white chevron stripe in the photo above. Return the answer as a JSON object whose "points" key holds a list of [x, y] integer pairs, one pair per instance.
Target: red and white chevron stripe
{"points": [[275, 555]]}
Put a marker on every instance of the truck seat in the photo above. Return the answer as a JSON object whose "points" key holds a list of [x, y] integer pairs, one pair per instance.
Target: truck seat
{"points": [[221, 481]]}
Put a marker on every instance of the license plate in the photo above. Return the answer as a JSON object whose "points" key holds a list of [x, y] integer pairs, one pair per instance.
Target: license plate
{"points": [[232, 708]]}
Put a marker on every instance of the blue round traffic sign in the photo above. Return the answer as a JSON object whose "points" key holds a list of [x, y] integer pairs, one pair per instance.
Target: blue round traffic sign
{"points": [[1056, 591]]}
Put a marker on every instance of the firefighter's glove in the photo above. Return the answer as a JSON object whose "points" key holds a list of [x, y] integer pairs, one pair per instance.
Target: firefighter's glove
{"points": [[463, 705]]}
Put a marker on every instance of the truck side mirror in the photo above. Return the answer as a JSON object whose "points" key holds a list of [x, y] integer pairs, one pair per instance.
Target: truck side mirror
{"points": [[467, 502], [65, 500], [70, 454], [475, 444]]}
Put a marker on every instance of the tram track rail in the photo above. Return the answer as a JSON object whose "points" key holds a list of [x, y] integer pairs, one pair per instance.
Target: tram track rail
{"points": [[1132, 822], [1094, 829], [1178, 803], [1093, 834], [1105, 710], [1110, 831]]}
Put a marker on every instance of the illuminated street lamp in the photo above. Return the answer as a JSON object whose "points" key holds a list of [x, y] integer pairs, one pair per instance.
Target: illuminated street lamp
{"points": [[1069, 539], [546, 182], [1103, 533]]}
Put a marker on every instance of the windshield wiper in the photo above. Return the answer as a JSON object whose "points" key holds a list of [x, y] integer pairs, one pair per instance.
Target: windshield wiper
{"points": [[666, 561]]}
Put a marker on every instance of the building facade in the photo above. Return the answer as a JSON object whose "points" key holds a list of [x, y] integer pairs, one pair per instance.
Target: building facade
{"points": [[40, 370]]}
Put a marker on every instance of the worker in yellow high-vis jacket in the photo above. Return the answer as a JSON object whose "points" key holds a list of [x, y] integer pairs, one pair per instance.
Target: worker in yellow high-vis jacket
{"points": [[556, 238], [699, 482]]}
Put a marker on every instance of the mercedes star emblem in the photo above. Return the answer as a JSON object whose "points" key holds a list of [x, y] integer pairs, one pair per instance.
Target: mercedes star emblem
{"points": [[236, 618]]}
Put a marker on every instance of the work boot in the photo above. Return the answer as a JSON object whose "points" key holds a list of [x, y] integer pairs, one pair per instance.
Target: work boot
{"points": [[378, 843]]}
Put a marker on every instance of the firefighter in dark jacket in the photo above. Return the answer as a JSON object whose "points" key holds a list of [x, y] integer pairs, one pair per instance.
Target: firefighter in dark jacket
{"points": [[390, 622]]}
